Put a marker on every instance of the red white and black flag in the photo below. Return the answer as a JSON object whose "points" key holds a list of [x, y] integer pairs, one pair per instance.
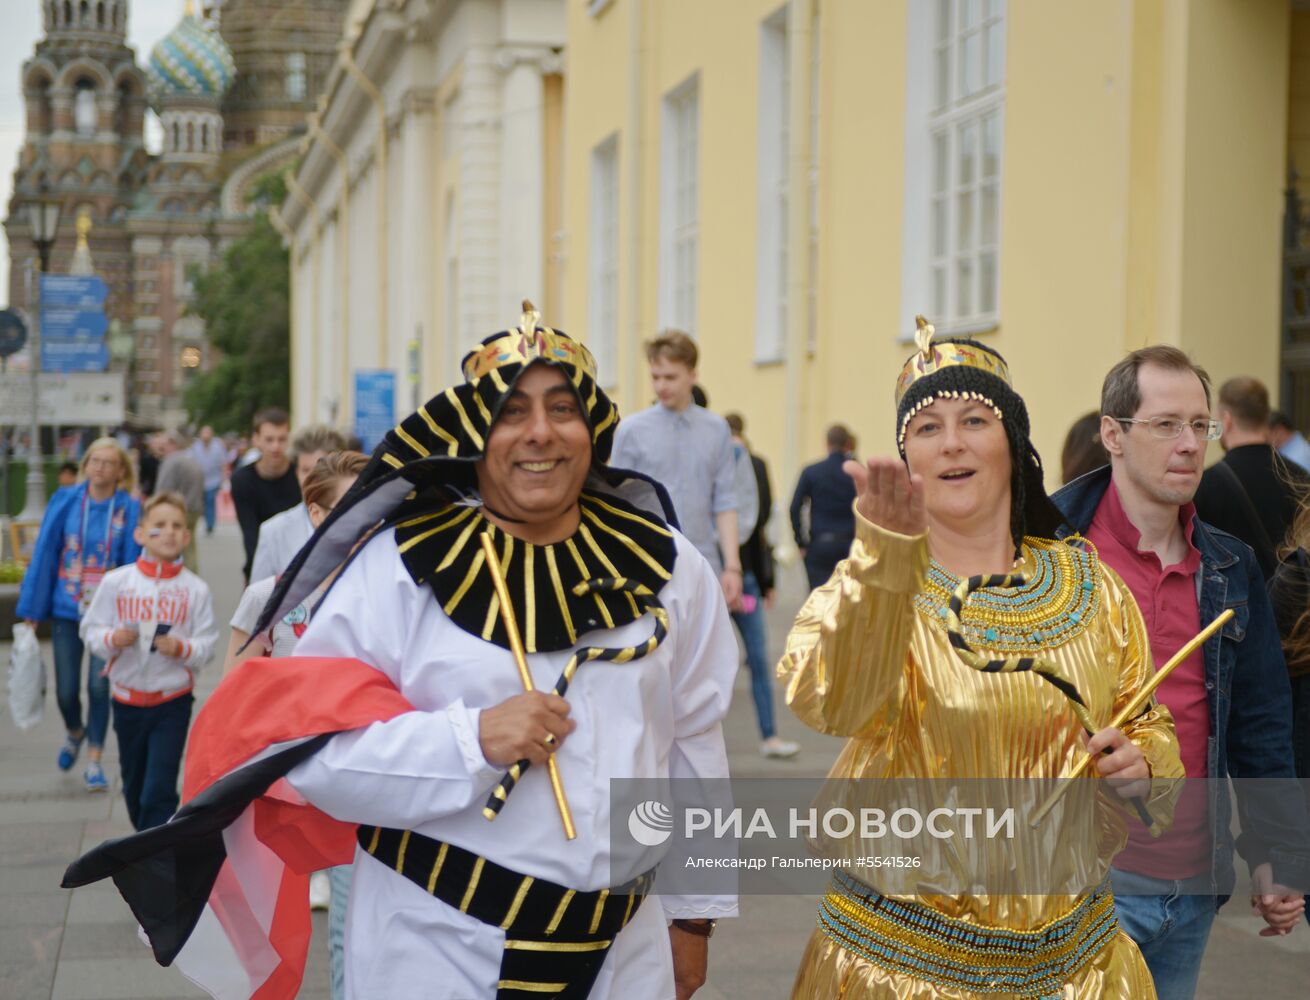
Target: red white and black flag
{"points": [[222, 889]]}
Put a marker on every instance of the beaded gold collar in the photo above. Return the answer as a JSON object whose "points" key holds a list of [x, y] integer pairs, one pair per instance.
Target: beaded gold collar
{"points": [[440, 548], [1055, 606]]}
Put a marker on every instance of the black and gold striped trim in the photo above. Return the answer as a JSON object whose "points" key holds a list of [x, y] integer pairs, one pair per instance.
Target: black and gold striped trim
{"points": [[614, 654], [440, 548], [556, 938], [456, 422]]}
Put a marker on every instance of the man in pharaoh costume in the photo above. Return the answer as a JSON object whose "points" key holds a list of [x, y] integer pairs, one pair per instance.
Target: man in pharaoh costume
{"points": [[516, 624], [959, 640]]}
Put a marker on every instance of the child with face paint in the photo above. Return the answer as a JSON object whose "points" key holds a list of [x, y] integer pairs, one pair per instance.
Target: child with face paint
{"points": [[153, 624]]}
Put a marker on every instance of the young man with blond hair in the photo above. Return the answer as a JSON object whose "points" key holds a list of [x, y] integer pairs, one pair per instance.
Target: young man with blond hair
{"points": [[689, 450]]}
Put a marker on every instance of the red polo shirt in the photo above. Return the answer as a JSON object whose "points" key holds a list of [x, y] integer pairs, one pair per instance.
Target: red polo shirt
{"points": [[1168, 599]]}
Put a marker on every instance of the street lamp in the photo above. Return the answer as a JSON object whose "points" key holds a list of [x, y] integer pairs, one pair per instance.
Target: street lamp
{"points": [[43, 223]]}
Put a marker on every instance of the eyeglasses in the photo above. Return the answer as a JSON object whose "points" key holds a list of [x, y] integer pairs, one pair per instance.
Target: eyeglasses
{"points": [[1168, 428]]}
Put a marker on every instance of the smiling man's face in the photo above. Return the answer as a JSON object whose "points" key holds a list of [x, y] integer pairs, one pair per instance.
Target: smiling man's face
{"points": [[538, 454]]}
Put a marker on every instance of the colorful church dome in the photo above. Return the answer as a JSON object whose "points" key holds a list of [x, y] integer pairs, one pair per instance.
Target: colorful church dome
{"points": [[192, 60]]}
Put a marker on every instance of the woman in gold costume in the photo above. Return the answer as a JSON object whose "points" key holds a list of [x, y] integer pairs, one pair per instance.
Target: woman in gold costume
{"points": [[870, 658]]}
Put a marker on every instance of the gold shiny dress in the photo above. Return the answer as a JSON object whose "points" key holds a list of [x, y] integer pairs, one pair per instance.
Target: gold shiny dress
{"points": [[868, 658]]}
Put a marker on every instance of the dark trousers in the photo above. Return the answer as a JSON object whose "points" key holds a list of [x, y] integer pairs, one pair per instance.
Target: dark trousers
{"points": [[68, 651], [823, 555], [150, 743]]}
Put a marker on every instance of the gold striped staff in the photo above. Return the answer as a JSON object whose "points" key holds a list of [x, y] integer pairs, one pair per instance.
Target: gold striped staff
{"points": [[521, 661], [1134, 708], [614, 654], [1038, 665]]}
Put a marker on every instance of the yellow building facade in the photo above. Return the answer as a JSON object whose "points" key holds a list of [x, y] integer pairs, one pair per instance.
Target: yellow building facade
{"points": [[792, 182]]}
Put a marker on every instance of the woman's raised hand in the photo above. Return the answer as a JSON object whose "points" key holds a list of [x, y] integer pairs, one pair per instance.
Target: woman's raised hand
{"points": [[888, 495]]}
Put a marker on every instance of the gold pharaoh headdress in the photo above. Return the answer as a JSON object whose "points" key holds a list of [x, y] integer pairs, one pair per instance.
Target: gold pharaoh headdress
{"points": [[530, 342], [931, 358]]}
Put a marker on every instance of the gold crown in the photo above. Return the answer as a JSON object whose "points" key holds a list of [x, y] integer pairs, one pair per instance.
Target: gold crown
{"points": [[530, 342], [931, 358]]}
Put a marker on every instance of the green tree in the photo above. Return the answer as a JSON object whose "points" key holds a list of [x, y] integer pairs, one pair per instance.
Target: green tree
{"points": [[245, 303]]}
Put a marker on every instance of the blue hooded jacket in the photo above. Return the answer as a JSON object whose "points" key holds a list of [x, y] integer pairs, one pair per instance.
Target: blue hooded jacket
{"points": [[52, 583]]}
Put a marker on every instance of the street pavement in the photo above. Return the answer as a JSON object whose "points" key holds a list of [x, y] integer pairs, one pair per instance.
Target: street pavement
{"points": [[82, 945]]}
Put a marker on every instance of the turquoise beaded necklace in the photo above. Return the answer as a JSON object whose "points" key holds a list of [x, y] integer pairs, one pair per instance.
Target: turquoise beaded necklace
{"points": [[1061, 597]]}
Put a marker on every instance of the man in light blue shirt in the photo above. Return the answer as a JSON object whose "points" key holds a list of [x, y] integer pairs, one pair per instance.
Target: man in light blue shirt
{"points": [[211, 455], [1289, 442], [689, 450]]}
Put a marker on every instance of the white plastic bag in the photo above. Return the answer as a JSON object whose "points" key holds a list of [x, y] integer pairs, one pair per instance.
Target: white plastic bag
{"points": [[26, 678]]}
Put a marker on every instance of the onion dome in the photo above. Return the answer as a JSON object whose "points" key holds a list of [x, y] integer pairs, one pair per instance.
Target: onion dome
{"points": [[191, 61]]}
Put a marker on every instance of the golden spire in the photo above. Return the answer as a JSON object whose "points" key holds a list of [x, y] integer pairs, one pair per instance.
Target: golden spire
{"points": [[189, 8], [81, 263]]}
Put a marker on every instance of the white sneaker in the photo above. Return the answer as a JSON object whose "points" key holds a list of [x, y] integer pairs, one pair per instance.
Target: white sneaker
{"points": [[320, 891], [779, 748]]}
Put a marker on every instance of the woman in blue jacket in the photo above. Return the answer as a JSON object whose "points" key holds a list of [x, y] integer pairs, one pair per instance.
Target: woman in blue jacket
{"points": [[87, 531]]}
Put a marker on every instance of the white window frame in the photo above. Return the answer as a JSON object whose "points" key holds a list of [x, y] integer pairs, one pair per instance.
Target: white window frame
{"points": [[603, 260], [772, 190], [680, 207], [944, 203]]}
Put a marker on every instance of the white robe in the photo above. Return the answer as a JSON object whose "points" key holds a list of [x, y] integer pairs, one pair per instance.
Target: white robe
{"points": [[657, 717]]}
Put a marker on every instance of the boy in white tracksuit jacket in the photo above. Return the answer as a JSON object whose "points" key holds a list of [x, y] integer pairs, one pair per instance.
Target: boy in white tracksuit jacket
{"points": [[153, 624]]}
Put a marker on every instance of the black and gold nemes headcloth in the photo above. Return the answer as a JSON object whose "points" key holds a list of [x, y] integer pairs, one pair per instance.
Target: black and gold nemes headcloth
{"points": [[455, 423]]}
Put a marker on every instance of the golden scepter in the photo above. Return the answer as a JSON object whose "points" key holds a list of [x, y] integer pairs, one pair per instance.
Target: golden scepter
{"points": [[521, 661], [1134, 707]]}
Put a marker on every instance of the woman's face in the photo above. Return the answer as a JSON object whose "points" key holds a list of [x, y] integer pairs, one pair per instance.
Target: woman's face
{"points": [[960, 449], [103, 468], [317, 513]]}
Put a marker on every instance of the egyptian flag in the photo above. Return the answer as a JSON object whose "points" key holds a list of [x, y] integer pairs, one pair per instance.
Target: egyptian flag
{"points": [[222, 889]]}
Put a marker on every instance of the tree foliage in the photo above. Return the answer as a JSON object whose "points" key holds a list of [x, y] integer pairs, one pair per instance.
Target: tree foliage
{"points": [[245, 303]]}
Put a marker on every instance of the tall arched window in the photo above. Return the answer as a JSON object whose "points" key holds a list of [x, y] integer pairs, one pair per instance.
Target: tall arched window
{"points": [[84, 14], [39, 117], [84, 108], [204, 137], [100, 13], [68, 14], [176, 145], [190, 137]]}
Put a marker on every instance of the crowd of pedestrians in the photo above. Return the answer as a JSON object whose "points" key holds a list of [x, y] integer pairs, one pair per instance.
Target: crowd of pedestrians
{"points": [[116, 573]]}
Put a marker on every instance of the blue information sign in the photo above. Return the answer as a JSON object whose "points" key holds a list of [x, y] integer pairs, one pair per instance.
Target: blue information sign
{"points": [[63, 356], [72, 324], [73, 309], [375, 405], [76, 292]]}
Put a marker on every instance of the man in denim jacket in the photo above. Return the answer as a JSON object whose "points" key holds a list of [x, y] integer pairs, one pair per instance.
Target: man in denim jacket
{"points": [[1231, 700]]}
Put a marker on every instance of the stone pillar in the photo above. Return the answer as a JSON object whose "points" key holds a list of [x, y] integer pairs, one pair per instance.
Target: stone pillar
{"points": [[522, 185], [418, 265], [477, 122]]}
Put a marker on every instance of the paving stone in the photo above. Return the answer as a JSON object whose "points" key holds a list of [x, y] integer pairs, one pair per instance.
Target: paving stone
{"points": [[119, 979], [44, 909], [32, 943], [103, 940], [27, 980], [23, 880], [39, 843]]}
